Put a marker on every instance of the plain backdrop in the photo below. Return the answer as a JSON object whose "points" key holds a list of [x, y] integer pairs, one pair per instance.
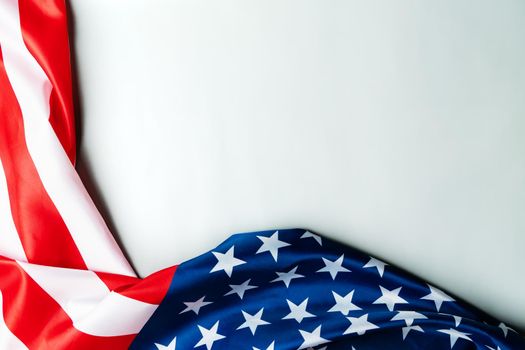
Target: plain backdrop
{"points": [[395, 127]]}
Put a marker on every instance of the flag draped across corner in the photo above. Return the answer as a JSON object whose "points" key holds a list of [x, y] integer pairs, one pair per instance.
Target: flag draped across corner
{"points": [[65, 284], [293, 289]]}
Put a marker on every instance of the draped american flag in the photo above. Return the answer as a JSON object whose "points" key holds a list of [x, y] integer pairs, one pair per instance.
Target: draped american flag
{"points": [[65, 284]]}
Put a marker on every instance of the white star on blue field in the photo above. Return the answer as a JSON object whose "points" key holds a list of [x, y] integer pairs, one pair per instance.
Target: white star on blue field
{"points": [[294, 289]]}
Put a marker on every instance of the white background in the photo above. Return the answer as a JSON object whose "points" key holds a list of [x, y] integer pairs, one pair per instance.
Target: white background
{"points": [[396, 127]]}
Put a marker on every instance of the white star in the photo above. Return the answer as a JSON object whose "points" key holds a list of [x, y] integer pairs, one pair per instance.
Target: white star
{"points": [[408, 317], [344, 304], [286, 277], [270, 347], [226, 262], [195, 306], [334, 267], [298, 312], [240, 289], [309, 234], [252, 321], [390, 298], [171, 346], [271, 244], [378, 264], [505, 328], [437, 296], [407, 329], [455, 335], [457, 320], [209, 336], [312, 338], [359, 325], [491, 348]]}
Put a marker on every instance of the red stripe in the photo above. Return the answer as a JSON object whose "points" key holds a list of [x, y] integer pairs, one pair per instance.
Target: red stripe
{"points": [[39, 321], [44, 235], [151, 290], [44, 29]]}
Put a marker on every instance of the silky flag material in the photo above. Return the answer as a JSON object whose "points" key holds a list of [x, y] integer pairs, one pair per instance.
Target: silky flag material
{"points": [[65, 284], [293, 289]]}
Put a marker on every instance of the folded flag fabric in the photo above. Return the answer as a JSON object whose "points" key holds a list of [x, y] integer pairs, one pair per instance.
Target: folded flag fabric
{"points": [[293, 289], [65, 284]]}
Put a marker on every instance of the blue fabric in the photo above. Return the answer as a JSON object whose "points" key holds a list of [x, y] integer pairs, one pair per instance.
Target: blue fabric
{"points": [[203, 311]]}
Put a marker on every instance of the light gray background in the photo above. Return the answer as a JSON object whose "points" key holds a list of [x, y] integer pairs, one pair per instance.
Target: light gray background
{"points": [[394, 126]]}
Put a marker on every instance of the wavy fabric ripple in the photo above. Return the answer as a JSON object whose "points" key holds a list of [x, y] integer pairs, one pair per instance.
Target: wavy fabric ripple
{"points": [[65, 283]]}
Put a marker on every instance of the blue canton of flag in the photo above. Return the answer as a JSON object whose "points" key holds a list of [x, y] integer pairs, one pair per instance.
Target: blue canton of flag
{"points": [[293, 289]]}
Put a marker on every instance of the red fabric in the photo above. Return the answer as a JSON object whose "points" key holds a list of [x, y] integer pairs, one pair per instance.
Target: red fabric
{"points": [[38, 321], [30, 313], [149, 290], [43, 233], [44, 28]]}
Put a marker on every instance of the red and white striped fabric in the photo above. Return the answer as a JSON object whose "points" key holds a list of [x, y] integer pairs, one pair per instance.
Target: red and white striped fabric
{"points": [[65, 283]]}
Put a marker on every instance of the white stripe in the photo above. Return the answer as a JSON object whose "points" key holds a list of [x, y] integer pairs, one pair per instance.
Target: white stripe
{"points": [[8, 341], [32, 89], [89, 303], [10, 244], [117, 315], [76, 291]]}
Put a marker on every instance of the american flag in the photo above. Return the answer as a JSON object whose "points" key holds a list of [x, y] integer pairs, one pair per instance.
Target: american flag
{"points": [[293, 289], [65, 284]]}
